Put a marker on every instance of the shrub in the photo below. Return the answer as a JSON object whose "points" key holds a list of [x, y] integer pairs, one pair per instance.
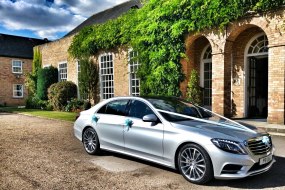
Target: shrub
{"points": [[46, 77], [89, 80], [33, 102], [74, 105], [60, 93], [30, 83], [194, 91]]}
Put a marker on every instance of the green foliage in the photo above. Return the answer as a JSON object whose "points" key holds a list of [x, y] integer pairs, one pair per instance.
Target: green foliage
{"points": [[67, 116], [37, 61], [33, 102], [30, 83], [89, 79], [157, 31], [46, 77], [60, 93], [31, 78], [194, 91], [74, 105]]}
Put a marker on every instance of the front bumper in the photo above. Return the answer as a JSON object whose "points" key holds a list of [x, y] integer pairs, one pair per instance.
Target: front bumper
{"points": [[249, 164]]}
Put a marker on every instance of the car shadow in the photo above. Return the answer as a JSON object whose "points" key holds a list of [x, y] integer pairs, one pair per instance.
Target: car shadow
{"points": [[273, 178], [106, 153]]}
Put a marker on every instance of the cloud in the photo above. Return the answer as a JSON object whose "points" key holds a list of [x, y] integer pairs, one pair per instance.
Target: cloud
{"points": [[87, 8], [47, 19]]}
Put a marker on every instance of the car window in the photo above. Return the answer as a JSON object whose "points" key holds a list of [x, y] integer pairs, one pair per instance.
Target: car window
{"points": [[177, 106], [139, 109], [117, 107]]}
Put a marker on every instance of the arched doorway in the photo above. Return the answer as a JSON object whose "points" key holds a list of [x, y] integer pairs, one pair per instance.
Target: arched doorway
{"points": [[206, 76], [256, 91]]}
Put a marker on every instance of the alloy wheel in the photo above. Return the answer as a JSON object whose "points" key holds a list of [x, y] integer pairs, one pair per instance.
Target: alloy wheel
{"points": [[90, 140], [192, 164]]}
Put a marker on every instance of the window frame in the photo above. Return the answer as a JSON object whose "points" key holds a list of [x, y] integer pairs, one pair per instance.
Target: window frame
{"points": [[21, 66], [60, 79], [105, 106], [109, 81], [206, 58], [131, 102], [132, 67], [22, 91]]}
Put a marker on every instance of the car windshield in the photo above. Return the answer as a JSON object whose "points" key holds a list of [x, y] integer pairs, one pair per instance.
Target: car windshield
{"points": [[179, 106]]}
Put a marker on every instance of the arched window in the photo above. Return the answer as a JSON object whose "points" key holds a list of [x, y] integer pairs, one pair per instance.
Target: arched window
{"points": [[206, 75], [258, 46]]}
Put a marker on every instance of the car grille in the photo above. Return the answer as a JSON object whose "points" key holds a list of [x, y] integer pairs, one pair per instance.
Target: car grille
{"points": [[260, 145]]}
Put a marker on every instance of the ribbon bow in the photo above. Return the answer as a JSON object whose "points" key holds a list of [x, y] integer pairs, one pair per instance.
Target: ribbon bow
{"points": [[128, 123], [95, 118]]}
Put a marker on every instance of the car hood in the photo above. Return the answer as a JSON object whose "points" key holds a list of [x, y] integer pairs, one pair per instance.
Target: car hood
{"points": [[219, 131]]}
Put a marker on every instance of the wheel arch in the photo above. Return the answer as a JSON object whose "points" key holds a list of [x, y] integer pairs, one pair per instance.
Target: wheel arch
{"points": [[84, 129]]}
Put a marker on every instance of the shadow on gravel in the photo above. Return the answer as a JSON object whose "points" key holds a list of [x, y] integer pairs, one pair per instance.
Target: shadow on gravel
{"points": [[274, 178], [106, 153]]}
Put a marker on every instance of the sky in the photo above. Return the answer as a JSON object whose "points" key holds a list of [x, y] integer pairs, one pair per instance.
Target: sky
{"points": [[49, 19]]}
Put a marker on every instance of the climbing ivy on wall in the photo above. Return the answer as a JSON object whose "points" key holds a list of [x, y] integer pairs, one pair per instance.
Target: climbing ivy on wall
{"points": [[157, 31]]}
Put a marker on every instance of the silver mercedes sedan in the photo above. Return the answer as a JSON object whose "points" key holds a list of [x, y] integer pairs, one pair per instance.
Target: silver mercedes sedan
{"points": [[172, 132]]}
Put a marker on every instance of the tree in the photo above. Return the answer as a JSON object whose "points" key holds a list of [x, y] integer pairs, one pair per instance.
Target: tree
{"points": [[88, 78], [37, 60], [45, 77], [31, 78], [194, 91]]}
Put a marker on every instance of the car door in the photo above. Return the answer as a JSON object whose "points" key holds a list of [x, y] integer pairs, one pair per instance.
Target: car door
{"points": [[143, 138], [110, 124]]}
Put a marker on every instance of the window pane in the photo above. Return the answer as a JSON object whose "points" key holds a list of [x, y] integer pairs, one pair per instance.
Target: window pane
{"points": [[106, 71], [117, 107], [133, 65], [16, 66], [139, 109], [62, 71]]}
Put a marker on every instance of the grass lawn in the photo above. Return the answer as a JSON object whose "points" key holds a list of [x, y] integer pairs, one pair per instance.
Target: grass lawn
{"points": [[67, 116]]}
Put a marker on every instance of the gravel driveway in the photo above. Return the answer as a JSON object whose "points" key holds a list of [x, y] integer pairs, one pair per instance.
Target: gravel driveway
{"points": [[37, 153]]}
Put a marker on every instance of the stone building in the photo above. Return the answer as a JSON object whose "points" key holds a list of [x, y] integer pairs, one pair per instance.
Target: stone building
{"points": [[16, 56], [241, 67]]}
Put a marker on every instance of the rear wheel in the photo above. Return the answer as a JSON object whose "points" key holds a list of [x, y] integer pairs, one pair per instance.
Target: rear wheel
{"points": [[195, 164], [90, 141]]}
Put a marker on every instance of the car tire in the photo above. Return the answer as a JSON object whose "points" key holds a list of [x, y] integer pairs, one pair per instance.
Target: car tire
{"points": [[195, 164], [90, 141]]}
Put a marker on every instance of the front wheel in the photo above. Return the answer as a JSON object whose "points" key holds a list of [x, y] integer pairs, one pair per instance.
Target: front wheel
{"points": [[90, 141], [195, 164]]}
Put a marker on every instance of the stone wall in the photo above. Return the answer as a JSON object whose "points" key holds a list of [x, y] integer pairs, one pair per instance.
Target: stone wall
{"points": [[56, 52]]}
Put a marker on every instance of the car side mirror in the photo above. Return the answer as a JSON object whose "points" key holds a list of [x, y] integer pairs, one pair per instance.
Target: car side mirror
{"points": [[150, 118]]}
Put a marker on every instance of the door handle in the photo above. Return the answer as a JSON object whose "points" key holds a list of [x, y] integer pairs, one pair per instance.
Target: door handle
{"points": [[128, 123]]}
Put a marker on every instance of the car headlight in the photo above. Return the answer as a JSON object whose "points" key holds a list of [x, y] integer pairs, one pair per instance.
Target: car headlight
{"points": [[229, 146]]}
